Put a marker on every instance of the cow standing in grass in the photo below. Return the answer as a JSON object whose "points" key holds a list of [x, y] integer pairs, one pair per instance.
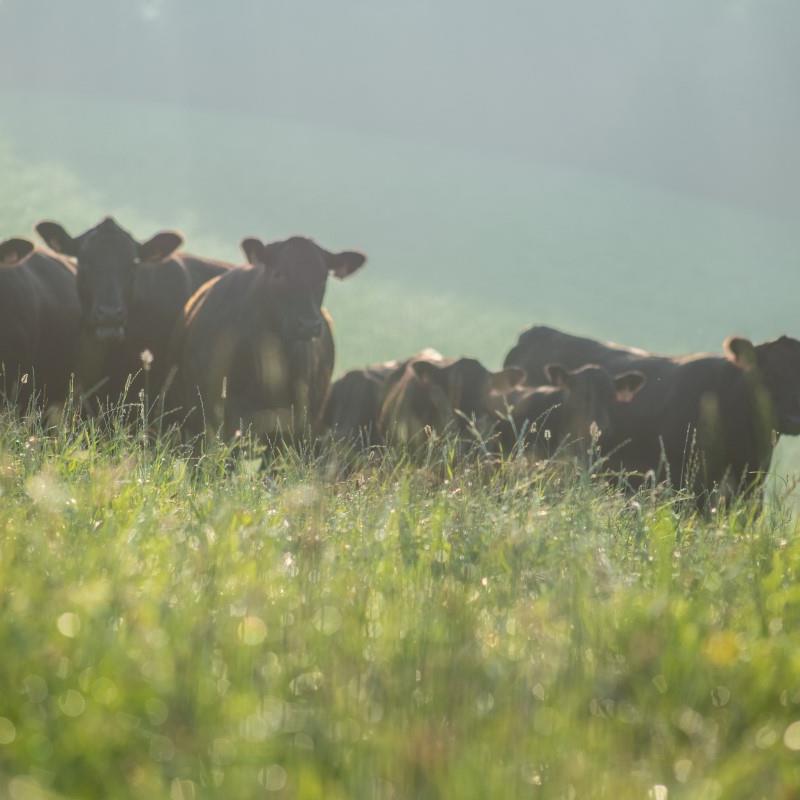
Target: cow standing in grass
{"points": [[440, 396], [131, 296], [571, 415], [255, 347], [39, 324], [355, 401], [703, 422]]}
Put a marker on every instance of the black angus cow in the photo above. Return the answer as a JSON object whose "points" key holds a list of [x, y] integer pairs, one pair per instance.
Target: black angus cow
{"points": [[131, 295], [703, 422], [255, 347], [355, 400], [39, 324], [571, 415], [444, 395], [354, 403]]}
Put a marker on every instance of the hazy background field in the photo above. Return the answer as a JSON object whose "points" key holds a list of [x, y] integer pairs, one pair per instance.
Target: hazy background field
{"points": [[629, 174]]}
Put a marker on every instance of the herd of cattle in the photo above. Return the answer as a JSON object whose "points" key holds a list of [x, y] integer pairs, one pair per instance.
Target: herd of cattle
{"points": [[231, 348]]}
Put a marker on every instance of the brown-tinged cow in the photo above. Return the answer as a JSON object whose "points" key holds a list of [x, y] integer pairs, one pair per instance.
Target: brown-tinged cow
{"points": [[255, 347], [354, 403], [355, 400], [39, 324], [131, 295], [444, 396], [571, 415], [702, 422]]}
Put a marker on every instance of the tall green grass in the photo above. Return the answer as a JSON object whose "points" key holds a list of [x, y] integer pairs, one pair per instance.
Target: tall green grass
{"points": [[215, 630]]}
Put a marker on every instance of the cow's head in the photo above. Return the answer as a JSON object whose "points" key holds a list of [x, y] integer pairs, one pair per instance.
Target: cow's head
{"points": [[12, 251], [463, 389], [778, 365], [296, 272], [107, 258], [589, 395]]}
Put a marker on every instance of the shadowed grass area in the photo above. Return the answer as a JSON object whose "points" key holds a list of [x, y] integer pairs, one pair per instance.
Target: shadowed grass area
{"points": [[215, 632]]}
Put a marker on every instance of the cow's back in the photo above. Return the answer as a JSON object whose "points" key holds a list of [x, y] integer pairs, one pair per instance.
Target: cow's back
{"points": [[541, 345], [201, 270]]}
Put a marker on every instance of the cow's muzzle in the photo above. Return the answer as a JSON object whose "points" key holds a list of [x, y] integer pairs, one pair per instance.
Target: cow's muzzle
{"points": [[109, 324]]}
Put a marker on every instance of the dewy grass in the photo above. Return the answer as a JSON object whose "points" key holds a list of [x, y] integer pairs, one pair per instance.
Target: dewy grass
{"points": [[208, 628]]}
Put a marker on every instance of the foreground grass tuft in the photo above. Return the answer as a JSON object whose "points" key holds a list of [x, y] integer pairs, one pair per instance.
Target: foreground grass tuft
{"points": [[226, 632]]}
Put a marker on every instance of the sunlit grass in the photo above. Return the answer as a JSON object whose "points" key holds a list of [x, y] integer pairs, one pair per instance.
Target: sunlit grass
{"points": [[171, 630]]}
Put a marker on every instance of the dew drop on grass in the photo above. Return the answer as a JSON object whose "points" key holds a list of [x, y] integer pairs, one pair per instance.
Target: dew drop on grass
{"points": [[273, 778], [720, 696], [328, 620], [791, 737], [7, 731], [252, 631], [69, 624], [766, 737], [683, 769], [72, 703]]}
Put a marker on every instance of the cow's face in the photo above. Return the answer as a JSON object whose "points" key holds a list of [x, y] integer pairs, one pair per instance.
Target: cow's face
{"points": [[590, 395], [778, 364], [296, 274], [107, 260], [465, 390]]}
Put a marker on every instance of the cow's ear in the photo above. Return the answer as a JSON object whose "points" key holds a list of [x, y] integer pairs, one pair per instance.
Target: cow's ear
{"points": [[506, 379], [557, 375], [428, 371], [254, 250], [741, 352], [160, 247], [345, 263], [56, 238], [12, 251], [628, 384]]}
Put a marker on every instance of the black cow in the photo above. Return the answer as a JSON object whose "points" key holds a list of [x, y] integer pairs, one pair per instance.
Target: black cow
{"points": [[39, 324], [255, 348], [355, 400], [704, 422], [131, 295], [439, 396], [570, 416]]}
